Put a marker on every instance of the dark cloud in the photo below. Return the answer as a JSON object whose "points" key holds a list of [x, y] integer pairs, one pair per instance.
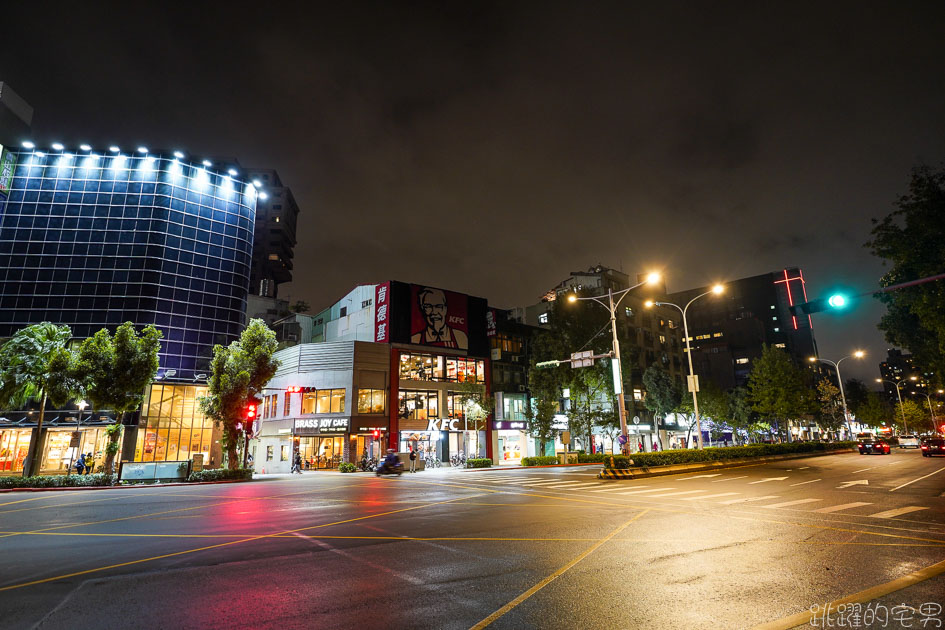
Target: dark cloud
{"points": [[494, 147]]}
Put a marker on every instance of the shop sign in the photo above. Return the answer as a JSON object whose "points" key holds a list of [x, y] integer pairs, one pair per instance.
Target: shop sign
{"points": [[7, 168], [438, 318], [490, 323], [442, 424], [74, 442], [382, 313], [510, 426], [321, 425]]}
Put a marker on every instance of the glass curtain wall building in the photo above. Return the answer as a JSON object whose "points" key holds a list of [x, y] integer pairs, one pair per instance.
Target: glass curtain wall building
{"points": [[93, 240]]}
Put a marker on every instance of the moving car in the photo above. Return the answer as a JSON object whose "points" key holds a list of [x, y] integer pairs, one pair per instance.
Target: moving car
{"points": [[873, 446], [908, 441], [933, 446]]}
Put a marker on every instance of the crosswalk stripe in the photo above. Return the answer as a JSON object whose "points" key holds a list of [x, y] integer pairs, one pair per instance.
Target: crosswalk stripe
{"points": [[805, 482], [609, 489], [511, 480], [571, 486], [728, 479], [845, 506], [544, 483], [676, 494], [699, 476], [795, 502], [749, 499], [710, 496], [898, 511], [650, 490]]}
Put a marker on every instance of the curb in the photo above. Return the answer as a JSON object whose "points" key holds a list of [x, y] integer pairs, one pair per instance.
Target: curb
{"points": [[530, 467], [128, 487], [672, 469]]}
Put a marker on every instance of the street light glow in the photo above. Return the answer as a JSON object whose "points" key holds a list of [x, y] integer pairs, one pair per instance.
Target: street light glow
{"points": [[717, 289], [812, 359], [653, 277], [859, 354], [28, 145], [648, 303], [57, 146], [572, 298]]}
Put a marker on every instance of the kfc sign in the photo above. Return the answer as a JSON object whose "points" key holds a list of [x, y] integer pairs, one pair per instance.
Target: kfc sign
{"points": [[382, 313], [438, 318], [442, 424]]}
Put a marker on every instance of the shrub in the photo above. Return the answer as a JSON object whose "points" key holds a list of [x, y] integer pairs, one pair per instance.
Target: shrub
{"points": [[714, 454], [221, 474], [57, 481], [545, 460], [347, 467], [478, 462], [592, 458]]}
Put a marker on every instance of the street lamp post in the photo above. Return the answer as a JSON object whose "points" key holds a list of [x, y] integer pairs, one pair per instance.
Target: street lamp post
{"points": [[859, 354], [928, 399], [898, 385], [618, 374], [717, 289], [81, 405]]}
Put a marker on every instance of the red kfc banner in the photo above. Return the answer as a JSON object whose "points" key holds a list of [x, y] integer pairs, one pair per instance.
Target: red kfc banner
{"points": [[382, 313], [438, 318]]}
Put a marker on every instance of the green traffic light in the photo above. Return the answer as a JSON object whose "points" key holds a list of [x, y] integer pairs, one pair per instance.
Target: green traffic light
{"points": [[837, 300]]}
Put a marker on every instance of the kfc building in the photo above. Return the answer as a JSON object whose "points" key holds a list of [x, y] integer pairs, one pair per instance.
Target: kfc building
{"points": [[437, 347]]}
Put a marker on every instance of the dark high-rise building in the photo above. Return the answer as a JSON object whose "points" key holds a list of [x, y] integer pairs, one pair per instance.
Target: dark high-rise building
{"points": [[727, 331], [274, 243], [899, 370]]}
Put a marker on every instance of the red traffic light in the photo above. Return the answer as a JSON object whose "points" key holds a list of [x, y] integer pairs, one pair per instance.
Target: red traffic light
{"points": [[293, 389], [377, 434], [250, 412]]}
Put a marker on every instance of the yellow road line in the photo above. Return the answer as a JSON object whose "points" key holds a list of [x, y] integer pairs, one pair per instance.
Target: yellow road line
{"points": [[216, 546], [862, 597], [521, 598]]}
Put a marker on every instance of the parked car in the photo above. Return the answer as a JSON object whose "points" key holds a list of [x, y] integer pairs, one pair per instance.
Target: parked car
{"points": [[873, 446], [909, 441], [933, 446]]}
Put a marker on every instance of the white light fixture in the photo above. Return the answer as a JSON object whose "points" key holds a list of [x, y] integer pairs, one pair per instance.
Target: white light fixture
{"points": [[113, 149], [142, 149], [178, 155], [28, 145], [263, 196], [207, 163], [57, 146], [85, 147], [257, 183], [40, 154], [232, 172]]}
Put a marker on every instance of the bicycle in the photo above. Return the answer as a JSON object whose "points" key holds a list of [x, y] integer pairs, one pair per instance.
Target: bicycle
{"points": [[458, 460], [431, 462]]}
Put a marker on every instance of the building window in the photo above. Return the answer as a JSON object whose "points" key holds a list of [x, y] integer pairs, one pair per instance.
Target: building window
{"points": [[780, 345], [174, 427], [638, 394], [741, 360], [284, 453], [718, 334], [777, 330], [366, 303], [543, 318], [324, 401], [774, 319], [418, 405], [269, 453], [507, 343], [371, 400], [772, 307], [287, 404], [344, 311], [428, 367], [273, 256]]}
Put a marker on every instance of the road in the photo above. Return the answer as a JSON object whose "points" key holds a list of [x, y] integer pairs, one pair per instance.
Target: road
{"points": [[514, 548]]}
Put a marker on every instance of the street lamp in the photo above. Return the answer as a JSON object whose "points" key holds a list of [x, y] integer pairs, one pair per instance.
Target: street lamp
{"points": [[928, 399], [898, 385], [859, 354], [81, 405], [652, 278], [717, 289]]}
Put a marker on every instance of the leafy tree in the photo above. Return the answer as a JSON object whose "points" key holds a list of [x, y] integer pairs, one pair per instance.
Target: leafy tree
{"points": [[856, 392], [238, 374], [540, 415], [117, 370], [874, 410], [663, 395], [917, 417], [589, 402], [777, 389], [36, 365], [740, 415], [300, 306], [714, 405], [831, 405], [910, 240], [477, 407]]}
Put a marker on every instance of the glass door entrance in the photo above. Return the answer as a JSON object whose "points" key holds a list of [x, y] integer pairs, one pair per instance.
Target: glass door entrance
{"points": [[321, 452]]}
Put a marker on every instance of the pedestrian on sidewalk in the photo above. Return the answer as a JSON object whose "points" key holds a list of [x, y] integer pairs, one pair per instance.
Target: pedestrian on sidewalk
{"points": [[297, 463], [413, 460], [80, 464]]}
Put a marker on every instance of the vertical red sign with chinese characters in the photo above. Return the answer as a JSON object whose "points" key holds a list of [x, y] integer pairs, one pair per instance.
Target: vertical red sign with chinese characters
{"points": [[490, 323], [382, 313]]}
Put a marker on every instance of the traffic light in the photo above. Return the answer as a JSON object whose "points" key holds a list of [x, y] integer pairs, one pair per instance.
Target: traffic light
{"points": [[377, 434], [546, 365], [251, 412], [293, 389], [833, 302]]}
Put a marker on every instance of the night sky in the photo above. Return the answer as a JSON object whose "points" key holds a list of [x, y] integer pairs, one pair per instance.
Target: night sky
{"points": [[491, 148]]}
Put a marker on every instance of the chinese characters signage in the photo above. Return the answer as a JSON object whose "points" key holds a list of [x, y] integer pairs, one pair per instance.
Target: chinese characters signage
{"points": [[7, 166], [382, 313]]}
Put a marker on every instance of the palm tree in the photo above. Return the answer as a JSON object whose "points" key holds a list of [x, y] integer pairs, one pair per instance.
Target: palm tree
{"points": [[35, 366]]}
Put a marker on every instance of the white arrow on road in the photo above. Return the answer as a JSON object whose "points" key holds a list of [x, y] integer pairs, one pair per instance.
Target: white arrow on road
{"points": [[847, 484], [768, 479]]}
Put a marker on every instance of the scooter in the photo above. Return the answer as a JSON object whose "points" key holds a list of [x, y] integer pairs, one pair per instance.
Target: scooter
{"points": [[383, 469]]}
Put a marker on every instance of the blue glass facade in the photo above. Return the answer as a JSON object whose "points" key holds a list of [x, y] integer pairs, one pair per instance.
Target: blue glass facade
{"points": [[93, 240]]}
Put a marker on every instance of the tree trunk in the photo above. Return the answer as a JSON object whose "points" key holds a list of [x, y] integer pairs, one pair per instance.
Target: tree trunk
{"points": [[110, 449], [232, 456], [35, 453]]}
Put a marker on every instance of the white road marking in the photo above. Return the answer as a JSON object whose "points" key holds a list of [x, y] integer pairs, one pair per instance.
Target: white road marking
{"points": [[766, 480], [803, 467], [805, 482], [710, 496], [749, 499], [699, 477], [572, 486], [609, 489], [919, 479], [729, 479], [787, 503], [845, 506], [898, 511], [545, 483], [650, 490], [676, 494], [858, 482]]}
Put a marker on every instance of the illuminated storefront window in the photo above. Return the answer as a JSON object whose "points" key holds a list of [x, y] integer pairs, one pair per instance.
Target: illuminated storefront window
{"points": [[324, 401], [428, 367], [418, 405], [371, 400], [173, 428]]}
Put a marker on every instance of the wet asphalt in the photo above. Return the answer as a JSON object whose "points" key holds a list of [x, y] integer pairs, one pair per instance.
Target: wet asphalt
{"points": [[516, 548]]}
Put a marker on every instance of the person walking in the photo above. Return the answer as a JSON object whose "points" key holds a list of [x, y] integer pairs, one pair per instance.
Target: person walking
{"points": [[297, 464], [640, 446], [89, 463], [80, 464], [413, 460]]}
